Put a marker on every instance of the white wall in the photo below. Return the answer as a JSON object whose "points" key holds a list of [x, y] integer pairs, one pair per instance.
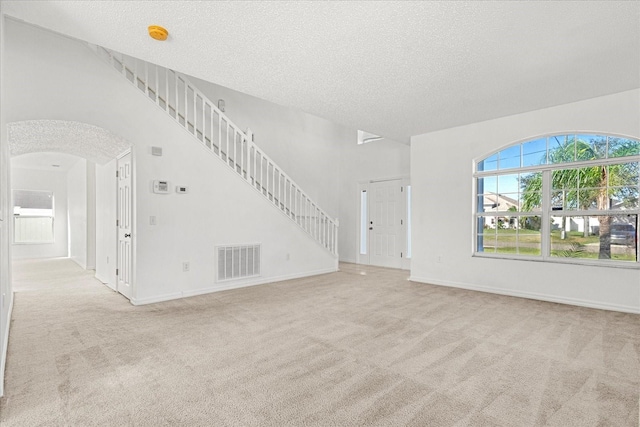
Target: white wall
{"points": [[441, 170], [6, 293], [42, 180], [306, 147], [106, 223], [91, 215], [321, 156], [376, 160], [220, 208], [77, 207], [81, 205]]}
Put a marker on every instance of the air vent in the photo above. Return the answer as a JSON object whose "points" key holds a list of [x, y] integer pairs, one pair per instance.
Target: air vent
{"points": [[235, 262]]}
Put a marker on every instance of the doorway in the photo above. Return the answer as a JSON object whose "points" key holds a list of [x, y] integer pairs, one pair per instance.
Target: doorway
{"points": [[85, 204], [384, 223]]}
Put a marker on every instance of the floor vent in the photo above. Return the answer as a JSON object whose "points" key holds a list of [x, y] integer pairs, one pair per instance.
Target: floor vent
{"points": [[235, 262]]}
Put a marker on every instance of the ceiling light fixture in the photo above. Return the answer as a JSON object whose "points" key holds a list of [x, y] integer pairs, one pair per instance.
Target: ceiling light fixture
{"points": [[158, 33]]}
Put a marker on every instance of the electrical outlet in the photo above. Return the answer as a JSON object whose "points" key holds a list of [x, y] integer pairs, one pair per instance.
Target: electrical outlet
{"points": [[439, 258], [288, 257], [152, 220], [185, 266]]}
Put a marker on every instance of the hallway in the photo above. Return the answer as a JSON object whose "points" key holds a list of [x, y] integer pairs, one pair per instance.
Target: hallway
{"points": [[55, 275]]}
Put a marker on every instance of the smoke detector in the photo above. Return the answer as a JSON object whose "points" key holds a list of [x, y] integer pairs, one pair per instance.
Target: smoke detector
{"points": [[158, 33]]}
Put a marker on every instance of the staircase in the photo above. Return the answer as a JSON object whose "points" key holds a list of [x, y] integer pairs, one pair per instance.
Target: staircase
{"points": [[209, 126]]}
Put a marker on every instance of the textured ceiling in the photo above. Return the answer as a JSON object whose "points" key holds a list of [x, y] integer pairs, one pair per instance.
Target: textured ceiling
{"points": [[395, 69], [44, 161], [79, 139]]}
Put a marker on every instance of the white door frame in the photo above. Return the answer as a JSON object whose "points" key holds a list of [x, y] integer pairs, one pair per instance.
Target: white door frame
{"points": [[132, 259], [362, 258], [366, 186]]}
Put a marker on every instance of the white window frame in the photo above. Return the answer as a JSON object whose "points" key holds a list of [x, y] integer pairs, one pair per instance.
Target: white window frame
{"points": [[546, 213], [52, 216]]}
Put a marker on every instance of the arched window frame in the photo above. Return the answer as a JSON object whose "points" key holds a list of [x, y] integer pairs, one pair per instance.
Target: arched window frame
{"points": [[499, 215]]}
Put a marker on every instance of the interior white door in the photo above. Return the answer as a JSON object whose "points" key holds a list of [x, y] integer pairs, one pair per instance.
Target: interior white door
{"points": [[385, 223], [124, 272]]}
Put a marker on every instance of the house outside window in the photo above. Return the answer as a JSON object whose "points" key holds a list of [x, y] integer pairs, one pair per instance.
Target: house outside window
{"points": [[567, 198], [33, 216]]}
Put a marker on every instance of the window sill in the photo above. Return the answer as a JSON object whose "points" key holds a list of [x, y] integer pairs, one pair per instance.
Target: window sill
{"points": [[591, 263], [33, 243]]}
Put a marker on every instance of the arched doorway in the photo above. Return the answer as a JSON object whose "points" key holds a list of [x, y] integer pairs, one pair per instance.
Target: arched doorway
{"points": [[88, 157]]}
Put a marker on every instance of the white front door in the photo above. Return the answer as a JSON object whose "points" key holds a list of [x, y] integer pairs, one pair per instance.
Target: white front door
{"points": [[124, 272], [385, 223]]}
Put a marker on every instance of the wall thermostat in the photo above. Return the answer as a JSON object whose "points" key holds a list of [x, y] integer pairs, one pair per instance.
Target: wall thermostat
{"points": [[180, 189], [161, 187]]}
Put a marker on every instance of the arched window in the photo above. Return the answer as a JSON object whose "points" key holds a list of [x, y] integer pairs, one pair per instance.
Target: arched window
{"points": [[569, 197]]}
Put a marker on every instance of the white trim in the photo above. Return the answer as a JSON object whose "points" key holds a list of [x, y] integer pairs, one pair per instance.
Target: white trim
{"points": [[406, 262], [593, 262], [402, 178], [124, 153], [4, 354], [75, 259], [152, 300], [134, 223], [362, 258], [530, 295], [547, 135], [557, 166], [228, 286], [105, 282]]}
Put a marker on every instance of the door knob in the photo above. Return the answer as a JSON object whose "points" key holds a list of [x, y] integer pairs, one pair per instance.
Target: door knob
{"points": [[127, 235]]}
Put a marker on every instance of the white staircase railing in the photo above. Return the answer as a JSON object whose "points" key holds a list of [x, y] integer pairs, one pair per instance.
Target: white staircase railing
{"points": [[182, 101]]}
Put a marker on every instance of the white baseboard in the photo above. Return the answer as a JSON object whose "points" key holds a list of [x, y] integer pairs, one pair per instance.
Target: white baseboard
{"points": [[530, 295], [105, 282], [5, 346], [225, 286], [83, 266], [159, 298]]}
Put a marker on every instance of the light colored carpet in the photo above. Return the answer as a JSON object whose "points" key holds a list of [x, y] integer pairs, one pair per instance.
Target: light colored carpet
{"points": [[360, 347]]}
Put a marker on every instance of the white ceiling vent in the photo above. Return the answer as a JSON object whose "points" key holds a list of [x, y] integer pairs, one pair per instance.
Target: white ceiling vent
{"points": [[235, 262]]}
